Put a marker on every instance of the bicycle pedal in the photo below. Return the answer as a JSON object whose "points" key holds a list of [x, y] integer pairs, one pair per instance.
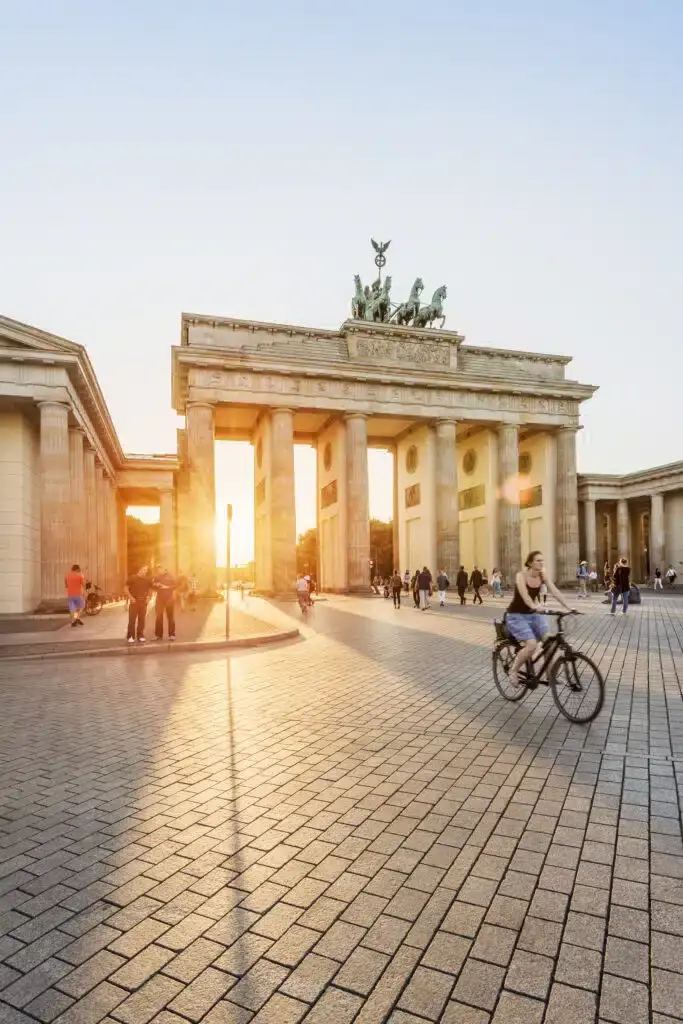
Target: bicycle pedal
{"points": [[531, 684]]}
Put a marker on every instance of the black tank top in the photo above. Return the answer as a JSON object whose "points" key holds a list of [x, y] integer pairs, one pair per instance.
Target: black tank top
{"points": [[518, 605]]}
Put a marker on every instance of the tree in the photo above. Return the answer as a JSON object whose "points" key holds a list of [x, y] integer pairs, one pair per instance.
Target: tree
{"points": [[382, 547], [143, 543], [307, 553]]}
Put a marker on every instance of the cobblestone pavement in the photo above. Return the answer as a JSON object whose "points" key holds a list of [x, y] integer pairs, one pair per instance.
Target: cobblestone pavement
{"points": [[355, 827]]}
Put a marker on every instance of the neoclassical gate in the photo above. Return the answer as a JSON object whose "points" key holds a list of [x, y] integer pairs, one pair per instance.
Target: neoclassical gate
{"points": [[484, 443]]}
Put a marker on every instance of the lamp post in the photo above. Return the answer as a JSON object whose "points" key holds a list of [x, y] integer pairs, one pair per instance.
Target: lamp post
{"points": [[227, 575]]}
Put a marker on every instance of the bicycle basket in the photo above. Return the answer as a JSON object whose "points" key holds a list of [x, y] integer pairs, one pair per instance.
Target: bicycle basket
{"points": [[501, 631]]}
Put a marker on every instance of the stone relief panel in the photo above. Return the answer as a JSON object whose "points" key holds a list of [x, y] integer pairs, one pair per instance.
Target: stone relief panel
{"points": [[413, 496], [531, 497], [328, 494], [387, 350], [472, 497]]}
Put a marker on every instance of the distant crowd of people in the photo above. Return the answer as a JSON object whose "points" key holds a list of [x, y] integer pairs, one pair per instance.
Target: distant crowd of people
{"points": [[421, 585]]}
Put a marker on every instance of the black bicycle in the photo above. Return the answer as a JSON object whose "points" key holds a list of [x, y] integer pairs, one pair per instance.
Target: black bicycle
{"points": [[575, 681]]}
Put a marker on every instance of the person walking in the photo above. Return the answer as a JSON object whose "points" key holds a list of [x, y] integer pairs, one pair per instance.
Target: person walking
{"points": [[607, 576], [658, 584], [414, 590], [396, 588], [461, 584], [671, 575], [406, 581], [476, 580], [442, 585], [593, 580], [582, 578], [424, 585], [165, 586], [497, 583], [525, 619], [137, 590], [74, 581], [621, 585]]}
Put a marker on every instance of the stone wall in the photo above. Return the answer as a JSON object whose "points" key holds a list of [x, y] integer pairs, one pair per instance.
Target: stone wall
{"points": [[19, 514]]}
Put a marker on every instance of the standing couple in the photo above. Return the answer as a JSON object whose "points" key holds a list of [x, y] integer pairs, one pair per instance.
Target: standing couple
{"points": [[138, 590]]}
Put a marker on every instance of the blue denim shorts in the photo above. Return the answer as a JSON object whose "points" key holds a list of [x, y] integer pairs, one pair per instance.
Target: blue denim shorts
{"points": [[533, 626], [76, 603]]}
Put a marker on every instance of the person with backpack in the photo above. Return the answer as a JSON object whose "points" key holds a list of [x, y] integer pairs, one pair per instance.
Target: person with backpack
{"points": [[658, 584], [442, 585], [582, 579], [424, 586], [671, 575], [621, 585]]}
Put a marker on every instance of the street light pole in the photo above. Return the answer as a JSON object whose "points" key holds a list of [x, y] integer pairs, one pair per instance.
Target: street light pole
{"points": [[227, 576]]}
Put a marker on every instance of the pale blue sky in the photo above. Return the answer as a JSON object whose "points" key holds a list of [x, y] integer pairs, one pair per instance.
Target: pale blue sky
{"points": [[234, 159]]}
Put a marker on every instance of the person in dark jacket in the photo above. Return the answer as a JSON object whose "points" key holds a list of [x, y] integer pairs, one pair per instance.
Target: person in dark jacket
{"points": [[414, 590], [621, 585], [442, 585], [461, 584], [396, 588], [476, 580], [165, 585], [424, 586]]}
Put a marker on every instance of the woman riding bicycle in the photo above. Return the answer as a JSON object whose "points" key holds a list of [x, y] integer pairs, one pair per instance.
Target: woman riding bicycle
{"points": [[525, 616]]}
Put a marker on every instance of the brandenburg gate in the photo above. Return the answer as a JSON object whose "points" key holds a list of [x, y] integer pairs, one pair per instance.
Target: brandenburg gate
{"points": [[484, 444]]}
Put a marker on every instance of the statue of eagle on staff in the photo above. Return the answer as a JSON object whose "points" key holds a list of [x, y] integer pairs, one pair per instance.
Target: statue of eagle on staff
{"points": [[373, 303]]}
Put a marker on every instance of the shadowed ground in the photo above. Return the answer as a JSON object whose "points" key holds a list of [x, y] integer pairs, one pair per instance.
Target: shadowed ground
{"points": [[351, 828]]}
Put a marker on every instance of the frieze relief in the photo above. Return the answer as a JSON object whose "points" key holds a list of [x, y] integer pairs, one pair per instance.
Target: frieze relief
{"points": [[262, 384], [384, 349]]}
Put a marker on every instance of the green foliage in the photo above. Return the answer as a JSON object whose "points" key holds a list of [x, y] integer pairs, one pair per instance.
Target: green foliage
{"points": [[143, 543], [307, 553]]}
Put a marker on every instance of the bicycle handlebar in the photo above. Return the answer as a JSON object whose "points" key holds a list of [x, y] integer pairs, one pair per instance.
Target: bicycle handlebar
{"points": [[562, 615]]}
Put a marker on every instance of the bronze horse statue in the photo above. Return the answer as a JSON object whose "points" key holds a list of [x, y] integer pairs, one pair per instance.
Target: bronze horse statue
{"points": [[426, 316], [409, 310]]}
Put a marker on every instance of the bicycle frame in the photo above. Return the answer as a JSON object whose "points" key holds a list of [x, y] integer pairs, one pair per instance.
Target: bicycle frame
{"points": [[538, 666]]}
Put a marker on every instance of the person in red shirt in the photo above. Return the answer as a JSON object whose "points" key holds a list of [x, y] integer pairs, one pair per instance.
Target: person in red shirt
{"points": [[74, 583]]}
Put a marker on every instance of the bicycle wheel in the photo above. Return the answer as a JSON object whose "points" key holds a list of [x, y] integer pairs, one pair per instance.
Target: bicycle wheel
{"points": [[503, 656], [578, 687]]}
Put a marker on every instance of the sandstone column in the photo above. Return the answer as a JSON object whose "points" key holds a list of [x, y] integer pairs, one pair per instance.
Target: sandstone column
{"points": [[567, 505], [447, 504], [396, 560], [55, 503], [79, 536], [114, 578], [623, 530], [90, 525], [591, 534], [122, 527], [657, 542], [167, 555], [508, 502], [358, 505], [101, 577], [282, 504], [202, 490], [106, 535]]}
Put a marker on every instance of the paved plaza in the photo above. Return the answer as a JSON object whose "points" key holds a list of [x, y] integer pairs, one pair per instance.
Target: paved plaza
{"points": [[351, 827]]}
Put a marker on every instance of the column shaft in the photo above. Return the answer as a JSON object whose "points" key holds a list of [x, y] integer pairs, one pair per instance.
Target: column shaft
{"points": [[623, 530], [510, 541], [657, 540], [90, 525], [114, 584], [591, 534], [447, 505], [167, 547], [282, 504], [106, 535], [78, 527], [396, 560], [122, 526], [55, 498], [358, 506], [202, 489], [567, 505], [101, 577]]}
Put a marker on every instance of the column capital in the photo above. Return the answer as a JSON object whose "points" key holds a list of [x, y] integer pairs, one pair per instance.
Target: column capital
{"points": [[273, 409], [355, 416], [53, 403], [446, 421], [199, 405]]}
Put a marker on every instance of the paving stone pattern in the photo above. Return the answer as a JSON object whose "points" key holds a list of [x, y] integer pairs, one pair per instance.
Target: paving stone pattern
{"points": [[355, 827]]}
